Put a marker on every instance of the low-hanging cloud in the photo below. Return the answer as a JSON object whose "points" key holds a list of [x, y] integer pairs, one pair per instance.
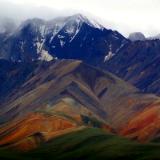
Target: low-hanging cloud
{"points": [[12, 14], [122, 15]]}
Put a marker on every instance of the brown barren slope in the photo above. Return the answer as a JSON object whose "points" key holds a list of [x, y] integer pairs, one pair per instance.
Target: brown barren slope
{"points": [[64, 95]]}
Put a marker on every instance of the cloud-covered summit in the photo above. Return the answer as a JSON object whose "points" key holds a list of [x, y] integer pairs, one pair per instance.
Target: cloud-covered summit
{"points": [[122, 15]]}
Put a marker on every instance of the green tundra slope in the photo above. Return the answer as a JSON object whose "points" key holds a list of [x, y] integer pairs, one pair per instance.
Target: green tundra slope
{"points": [[89, 144]]}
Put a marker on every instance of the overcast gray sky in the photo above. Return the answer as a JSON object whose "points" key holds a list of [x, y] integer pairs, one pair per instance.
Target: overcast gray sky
{"points": [[123, 15]]}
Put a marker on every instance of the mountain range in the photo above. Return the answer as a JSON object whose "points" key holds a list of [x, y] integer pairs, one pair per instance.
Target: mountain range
{"points": [[73, 37], [71, 77], [77, 37]]}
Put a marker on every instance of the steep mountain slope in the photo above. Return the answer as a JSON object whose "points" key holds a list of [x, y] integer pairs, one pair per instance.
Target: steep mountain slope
{"points": [[74, 37], [13, 75], [50, 103], [145, 126], [67, 106], [61, 96], [138, 63]]}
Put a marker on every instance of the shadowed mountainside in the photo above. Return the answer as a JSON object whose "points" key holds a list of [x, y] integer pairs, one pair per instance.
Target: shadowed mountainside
{"points": [[138, 63]]}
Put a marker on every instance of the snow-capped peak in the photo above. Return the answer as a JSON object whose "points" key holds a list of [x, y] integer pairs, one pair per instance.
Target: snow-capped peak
{"points": [[83, 19], [41, 38]]}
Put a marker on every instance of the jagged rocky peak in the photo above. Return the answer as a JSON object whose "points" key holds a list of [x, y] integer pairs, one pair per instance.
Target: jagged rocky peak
{"points": [[79, 18], [71, 25], [137, 36], [60, 22]]}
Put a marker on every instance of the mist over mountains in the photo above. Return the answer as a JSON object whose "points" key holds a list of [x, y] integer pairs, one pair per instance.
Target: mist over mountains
{"points": [[134, 21]]}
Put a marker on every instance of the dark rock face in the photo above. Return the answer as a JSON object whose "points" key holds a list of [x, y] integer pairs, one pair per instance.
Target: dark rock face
{"points": [[12, 75]]}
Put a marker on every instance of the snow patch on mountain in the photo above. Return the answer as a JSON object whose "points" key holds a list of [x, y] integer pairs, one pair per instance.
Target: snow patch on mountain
{"points": [[121, 46], [45, 56], [39, 46], [109, 55], [91, 22], [62, 43]]}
